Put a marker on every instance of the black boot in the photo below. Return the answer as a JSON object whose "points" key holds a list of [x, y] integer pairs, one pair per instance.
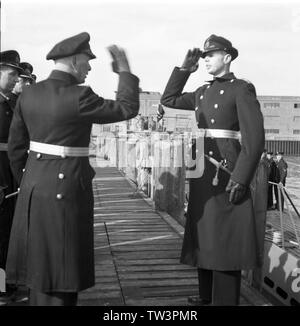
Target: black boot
{"points": [[8, 296], [197, 301]]}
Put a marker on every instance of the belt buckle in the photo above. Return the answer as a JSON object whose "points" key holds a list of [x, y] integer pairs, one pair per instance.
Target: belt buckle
{"points": [[63, 154]]}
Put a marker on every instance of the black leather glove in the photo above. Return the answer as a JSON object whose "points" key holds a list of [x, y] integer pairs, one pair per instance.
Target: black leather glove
{"points": [[191, 59], [236, 191]]}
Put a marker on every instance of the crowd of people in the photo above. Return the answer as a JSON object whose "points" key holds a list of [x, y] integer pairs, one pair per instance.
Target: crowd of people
{"points": [[149, 123]]}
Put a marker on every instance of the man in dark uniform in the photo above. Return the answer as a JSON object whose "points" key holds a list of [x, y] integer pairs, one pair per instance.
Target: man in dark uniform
{"points": [[9, 72], [51, 245], [25, 79], [220, 236], [271, 178], [280, 178]]}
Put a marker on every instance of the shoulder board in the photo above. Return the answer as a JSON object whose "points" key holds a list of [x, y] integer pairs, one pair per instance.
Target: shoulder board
{"points": [[249, 84], [246, 80]]}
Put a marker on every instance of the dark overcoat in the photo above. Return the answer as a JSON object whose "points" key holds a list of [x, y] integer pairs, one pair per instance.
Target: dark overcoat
{"points": [[220, 235], [281, 171], [259, 191], [7, 181], [51, 245]]}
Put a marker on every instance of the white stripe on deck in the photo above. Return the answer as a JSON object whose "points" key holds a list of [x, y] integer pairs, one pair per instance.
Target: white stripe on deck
{"points": [[138, 241]]}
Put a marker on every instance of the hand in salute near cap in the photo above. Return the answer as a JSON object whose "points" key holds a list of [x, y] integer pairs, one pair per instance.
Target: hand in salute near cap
{"points": [[120, 61], [191, 59]]}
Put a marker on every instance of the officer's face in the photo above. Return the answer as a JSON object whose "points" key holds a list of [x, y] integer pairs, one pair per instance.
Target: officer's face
{"points": [[82, 67], [22, 82], [8, 78], [216, 62]]}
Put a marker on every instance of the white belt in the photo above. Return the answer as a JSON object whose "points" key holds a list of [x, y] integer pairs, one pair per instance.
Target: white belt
{"points": [[3, 147], [62, 151], [220, 133]]}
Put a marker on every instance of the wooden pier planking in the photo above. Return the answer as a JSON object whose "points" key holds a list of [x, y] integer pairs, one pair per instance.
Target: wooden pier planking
{"points": [[137, 252]]}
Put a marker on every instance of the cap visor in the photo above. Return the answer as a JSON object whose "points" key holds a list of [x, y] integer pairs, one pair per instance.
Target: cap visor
{"points": [[19, 69], [90, 54]]}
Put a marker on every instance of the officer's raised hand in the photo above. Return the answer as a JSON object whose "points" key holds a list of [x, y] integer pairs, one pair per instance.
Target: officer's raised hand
{"points": [[191, 59], [120, 61], [236, 191]]}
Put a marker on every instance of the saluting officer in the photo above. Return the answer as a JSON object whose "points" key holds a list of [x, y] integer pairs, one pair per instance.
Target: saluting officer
{"points": [[9, 72], [51, 246], [220, 237]]}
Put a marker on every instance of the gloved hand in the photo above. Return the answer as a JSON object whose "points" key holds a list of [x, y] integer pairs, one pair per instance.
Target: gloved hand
{"points": [[191, 59], [120, 61], [236, 191]]}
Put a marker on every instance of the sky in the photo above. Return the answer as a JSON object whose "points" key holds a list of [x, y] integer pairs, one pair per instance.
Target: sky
{"points": [[156, 36]]}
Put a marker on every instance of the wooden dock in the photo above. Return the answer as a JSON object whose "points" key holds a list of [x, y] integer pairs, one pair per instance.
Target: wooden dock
{"points": [[137, 251]]}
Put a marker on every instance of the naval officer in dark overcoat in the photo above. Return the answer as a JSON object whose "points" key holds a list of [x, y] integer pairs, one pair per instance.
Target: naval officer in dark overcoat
{"points": [[9, 74], [220, 237], [280, 178], [51, 245]]}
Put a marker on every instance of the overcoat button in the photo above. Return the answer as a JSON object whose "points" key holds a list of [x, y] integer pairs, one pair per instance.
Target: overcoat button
{"points": [[24, 170], [211, 153], [59, 196], [61, 176], [216, 106], [221, 91], [212, 121], [201, 97], [196, 108], [38, 155]]}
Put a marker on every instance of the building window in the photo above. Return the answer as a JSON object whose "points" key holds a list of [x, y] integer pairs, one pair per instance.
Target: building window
{"points": [[296, 132], [271, 105], [272, 131], [272, 118], [296, 105], [296, 118]]}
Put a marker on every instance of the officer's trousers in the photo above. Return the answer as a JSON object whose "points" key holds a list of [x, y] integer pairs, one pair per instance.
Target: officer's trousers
{"points": [[277, 199], [52, 298], [270, 195], [222, 288], [6, 218]]}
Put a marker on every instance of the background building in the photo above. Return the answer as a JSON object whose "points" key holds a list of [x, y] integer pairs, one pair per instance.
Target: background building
{"points": [[281, 120], [281, 117]]}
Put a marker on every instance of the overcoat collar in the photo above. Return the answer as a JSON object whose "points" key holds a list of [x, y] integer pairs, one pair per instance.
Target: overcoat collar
{"points": [[63, 76], [228, 76]]}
